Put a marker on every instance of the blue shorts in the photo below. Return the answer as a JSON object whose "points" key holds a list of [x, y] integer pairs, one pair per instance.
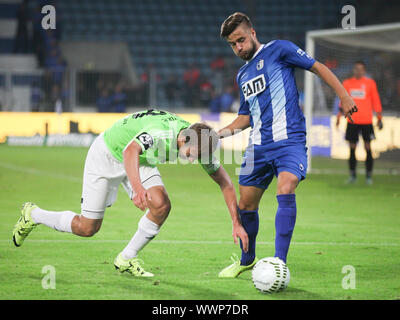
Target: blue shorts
{"points": [[259, 165]]}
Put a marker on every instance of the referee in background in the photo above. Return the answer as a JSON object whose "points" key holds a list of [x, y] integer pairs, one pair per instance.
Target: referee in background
{"points": [[365, 95]]}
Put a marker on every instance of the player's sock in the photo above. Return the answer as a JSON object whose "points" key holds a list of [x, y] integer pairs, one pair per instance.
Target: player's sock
{"points": [[250, 223], [284, 224], [353, 162], [58, 220], [146, 231], [369, 163]]}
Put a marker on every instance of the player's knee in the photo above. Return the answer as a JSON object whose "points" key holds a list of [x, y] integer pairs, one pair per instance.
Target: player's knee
{"points": [[287, 187], [89, 230], [161, 208], [246, 205]]}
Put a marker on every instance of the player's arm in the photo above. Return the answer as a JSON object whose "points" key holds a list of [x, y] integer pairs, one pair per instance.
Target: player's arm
{"points": [[346, 101], [131, 164], [376, 104], [241, 122], [222, 178]]}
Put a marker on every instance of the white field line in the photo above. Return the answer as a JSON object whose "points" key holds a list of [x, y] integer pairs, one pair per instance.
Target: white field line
{"points": [[215, 242], [38, 172], [65, 177]]}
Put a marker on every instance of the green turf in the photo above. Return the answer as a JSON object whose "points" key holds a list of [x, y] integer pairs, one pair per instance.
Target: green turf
{"points": [[337, 225]]}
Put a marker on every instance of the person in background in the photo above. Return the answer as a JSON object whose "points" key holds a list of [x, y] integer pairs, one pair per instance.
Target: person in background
{"points": [[227, 99], [119, 99], [365, 94], [36, 97], [103, 101], [171, 89]]}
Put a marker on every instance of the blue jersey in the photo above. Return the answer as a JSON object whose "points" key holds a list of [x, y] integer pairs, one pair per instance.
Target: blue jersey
{"points": [[268, 93]]}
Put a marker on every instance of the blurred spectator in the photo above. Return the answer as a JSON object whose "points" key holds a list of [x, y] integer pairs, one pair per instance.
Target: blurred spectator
{"points": [[119, 99], [215, 103], [36, 96], [104, 101], [171, 89], [22, 39], [218, 63], [205, 91], [55, 97], [227, 99], [191, 86]]}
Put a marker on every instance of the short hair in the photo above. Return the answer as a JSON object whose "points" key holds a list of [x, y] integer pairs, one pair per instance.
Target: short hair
{"points": [[205, 136], [232, 22], [361, 62]]}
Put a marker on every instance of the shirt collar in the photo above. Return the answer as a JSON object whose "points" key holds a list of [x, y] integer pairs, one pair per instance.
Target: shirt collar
{"points": [[256, 53]]}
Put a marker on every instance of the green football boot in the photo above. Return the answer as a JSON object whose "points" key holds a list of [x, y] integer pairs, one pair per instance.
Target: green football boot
{"points": [[24, 225], [233, 270], [132, 266]]}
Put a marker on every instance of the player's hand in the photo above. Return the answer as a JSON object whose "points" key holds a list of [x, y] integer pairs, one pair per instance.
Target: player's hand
{"points": [[379, 124], [140, 198], [239, 232], [348, 107]]}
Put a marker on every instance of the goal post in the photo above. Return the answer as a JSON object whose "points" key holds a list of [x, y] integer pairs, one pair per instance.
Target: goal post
{"points": [[377, 45]]}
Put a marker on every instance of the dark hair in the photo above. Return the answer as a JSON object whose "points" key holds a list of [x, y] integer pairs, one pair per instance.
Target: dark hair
{"points": [[204, 137], [232, 22], [360, 62]]}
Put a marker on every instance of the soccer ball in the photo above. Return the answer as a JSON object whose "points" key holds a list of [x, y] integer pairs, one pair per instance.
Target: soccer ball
{"points": [[270, 275]]}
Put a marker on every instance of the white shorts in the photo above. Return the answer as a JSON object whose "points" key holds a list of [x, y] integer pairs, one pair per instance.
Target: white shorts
{"points": [[102, 176]]}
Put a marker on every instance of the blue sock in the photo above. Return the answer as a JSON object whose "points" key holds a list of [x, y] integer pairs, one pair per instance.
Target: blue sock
{"points": [[284, 224], [250, 224]]}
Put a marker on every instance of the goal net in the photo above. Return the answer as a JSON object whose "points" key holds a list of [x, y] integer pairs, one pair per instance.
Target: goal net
{"points": [[379, 47]]}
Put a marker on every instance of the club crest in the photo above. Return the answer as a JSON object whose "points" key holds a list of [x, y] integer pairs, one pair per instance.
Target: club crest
{"points": [[260, 64]]}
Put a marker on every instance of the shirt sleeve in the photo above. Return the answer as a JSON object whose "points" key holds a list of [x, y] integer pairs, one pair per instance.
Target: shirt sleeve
{"points": [[145, 139], [244, 106], [376, 101], [211, 166], [294, 56]]}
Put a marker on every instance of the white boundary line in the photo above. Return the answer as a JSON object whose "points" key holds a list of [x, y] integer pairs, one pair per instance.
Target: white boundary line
{"points": [[37, 172], [214, 242]]}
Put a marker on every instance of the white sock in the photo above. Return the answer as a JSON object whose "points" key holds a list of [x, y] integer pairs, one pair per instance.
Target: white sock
{"points": [[58, 220], [146, 231]]}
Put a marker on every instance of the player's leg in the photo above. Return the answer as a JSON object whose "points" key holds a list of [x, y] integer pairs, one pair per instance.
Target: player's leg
{"points": [[369, 163], [95, 192], [249, 201], [352, 162], [368, 135], [250, 197], [285, 218], [291, 168], [351, 136], [255, 176], [149, 225]]}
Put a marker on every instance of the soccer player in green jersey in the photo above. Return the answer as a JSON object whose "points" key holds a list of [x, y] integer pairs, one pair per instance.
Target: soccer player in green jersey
{"points": [[127, 153]]}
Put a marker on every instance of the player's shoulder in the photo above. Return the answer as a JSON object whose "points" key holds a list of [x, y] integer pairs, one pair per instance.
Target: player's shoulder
{"points": [[369, 80]]}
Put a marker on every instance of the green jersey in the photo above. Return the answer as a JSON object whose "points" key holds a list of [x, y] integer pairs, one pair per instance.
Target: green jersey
{"points": [[156, 132]]}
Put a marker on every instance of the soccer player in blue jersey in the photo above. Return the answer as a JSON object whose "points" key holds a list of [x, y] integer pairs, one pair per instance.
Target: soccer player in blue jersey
{"points": [[277, 144]]}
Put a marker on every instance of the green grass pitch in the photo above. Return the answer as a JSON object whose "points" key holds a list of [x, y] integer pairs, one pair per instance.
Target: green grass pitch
{"points": [[337, 225]]}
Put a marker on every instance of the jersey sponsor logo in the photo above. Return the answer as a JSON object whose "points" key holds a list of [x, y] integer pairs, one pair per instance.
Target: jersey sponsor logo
{"points": [[146, 140], [254, 86], [357, 93], [260, 64]]}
